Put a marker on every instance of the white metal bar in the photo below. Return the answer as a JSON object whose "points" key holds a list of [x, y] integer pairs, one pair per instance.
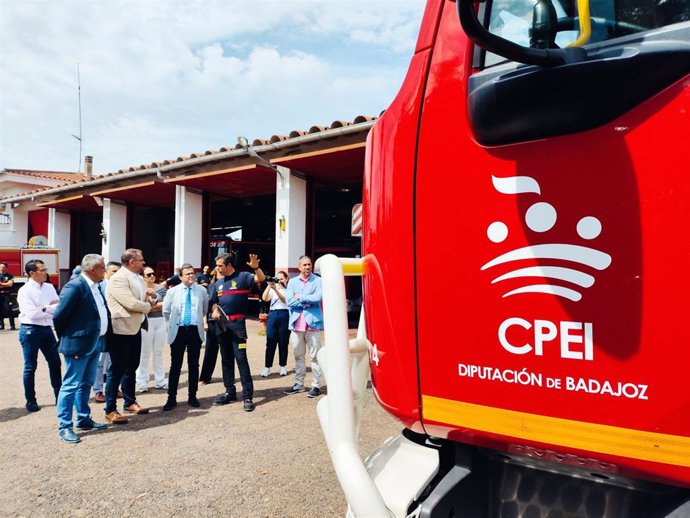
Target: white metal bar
{"points": [[337, 410]]}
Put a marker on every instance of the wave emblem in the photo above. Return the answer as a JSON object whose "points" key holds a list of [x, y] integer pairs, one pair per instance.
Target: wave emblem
{"points": [[561, 281]]}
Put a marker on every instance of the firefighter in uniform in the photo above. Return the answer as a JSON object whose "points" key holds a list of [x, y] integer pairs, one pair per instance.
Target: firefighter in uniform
{"points": [[229, 301]]}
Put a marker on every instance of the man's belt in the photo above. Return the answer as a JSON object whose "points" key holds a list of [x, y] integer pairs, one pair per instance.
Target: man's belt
{"points": [[237, 316]]}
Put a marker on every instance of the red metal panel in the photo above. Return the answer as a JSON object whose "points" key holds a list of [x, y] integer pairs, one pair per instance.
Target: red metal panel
{"points": [[388, 248], [607, 205]]}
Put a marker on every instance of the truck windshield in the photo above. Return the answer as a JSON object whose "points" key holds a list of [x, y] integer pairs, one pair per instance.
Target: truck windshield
{"points": [[514, 20]]}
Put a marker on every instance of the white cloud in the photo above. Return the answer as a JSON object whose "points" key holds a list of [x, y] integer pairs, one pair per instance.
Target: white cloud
{"points": [[166, 78]]}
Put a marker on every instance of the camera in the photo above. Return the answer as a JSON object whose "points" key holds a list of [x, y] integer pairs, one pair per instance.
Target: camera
{"points": [[272, 280]]}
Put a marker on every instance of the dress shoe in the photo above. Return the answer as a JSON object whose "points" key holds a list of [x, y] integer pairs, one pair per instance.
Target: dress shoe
{"points": [[193, 402], [99, 398], [248, 405], [134, 408], [116, 417], [67, 435], [224, 399], [170, 404], [32, 406], [90, 424]]}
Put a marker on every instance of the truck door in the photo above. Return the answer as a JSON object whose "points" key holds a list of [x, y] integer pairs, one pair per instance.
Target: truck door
{"points": [[552, 199]]}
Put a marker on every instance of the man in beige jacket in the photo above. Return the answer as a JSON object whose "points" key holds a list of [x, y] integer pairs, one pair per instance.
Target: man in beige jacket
{"points": [[129, 301]]}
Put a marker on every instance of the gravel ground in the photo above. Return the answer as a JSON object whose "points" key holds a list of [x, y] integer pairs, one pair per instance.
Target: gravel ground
{"points": [[210, 461]]}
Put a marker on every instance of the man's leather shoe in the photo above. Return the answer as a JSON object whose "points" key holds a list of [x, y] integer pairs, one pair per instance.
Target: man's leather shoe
{"points": [[32, 406], [67, 435], [193, 402], [90, 424], [99, 398], [134, 408], [169, 404], [224, 399], [248, 405], [116, 417]]}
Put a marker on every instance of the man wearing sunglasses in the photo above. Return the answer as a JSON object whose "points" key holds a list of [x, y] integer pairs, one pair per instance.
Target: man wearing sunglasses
{"points": [[37, 301], [129, 302]]}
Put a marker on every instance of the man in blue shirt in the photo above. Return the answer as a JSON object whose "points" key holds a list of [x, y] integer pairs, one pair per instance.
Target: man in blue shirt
{"points": [[184, 309], [229, 302], [306, 323]]}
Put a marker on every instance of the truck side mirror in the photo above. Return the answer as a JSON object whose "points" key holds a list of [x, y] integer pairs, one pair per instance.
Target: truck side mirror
{"points": [[543, 22]]}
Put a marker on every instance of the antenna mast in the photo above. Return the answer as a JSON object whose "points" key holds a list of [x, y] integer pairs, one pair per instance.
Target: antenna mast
{"points": [[79, 137]]}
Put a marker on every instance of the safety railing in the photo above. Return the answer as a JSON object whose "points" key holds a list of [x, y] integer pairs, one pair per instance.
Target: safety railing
{"points": [[345, 363]]}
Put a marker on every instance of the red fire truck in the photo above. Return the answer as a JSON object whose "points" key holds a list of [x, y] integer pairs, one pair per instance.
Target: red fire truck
{"points": [[523, 272]]}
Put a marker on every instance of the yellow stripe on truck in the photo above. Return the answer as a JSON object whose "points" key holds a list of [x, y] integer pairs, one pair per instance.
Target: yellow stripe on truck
{"points": [[611, 440]]}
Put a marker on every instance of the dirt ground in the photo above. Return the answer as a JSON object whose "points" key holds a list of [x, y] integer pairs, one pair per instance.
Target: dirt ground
{"points": [[210, 461]]}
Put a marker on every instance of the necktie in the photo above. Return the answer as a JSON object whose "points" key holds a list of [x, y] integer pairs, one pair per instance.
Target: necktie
{"points": [[100, 290], [187, 318]]}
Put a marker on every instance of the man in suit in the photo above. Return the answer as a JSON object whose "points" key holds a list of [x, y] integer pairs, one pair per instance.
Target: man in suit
{"points": [[184, 309], [129, 302], [81, 321]]}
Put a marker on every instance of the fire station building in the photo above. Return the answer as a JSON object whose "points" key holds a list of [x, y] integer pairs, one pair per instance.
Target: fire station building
{"points": [[280, 198]]}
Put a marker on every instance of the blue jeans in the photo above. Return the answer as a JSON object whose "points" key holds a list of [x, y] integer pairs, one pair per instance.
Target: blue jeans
{"points": [[34, 339], [80, 374]]}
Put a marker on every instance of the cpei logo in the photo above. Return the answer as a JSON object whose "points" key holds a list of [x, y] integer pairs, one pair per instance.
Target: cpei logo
{"points": [[561, 281]]}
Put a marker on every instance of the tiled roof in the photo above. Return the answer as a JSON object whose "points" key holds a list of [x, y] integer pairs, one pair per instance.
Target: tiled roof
{"points": [[72, 178], [51, 175]]}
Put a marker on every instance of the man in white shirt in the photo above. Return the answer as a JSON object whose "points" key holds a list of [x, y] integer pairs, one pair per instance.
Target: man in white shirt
{"points": [[37, 301], [81, 321]]}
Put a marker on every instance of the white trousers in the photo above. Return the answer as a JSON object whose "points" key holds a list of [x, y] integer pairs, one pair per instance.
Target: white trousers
{"points": [[301, 340], [152, 343]]}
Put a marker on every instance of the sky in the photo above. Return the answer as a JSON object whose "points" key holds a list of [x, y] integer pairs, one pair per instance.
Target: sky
{"points": [[167, 78]]}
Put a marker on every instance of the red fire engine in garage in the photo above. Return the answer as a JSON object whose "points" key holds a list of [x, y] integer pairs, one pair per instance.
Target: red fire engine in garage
{"points": [[532, 177], [17, 257]]}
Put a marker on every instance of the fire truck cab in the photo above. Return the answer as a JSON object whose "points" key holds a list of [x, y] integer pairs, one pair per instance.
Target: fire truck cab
{"points": [[530, 178]]}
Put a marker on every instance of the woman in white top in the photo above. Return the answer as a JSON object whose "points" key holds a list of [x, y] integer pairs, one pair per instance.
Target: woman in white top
{"points": [[277, 332], [153, 340]]}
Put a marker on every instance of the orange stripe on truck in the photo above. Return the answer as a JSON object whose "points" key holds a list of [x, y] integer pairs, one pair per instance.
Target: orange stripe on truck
{"points": [[599, 438]]}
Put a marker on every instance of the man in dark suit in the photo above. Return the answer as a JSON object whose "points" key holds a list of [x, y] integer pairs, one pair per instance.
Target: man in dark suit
{"points": [[81, 321]]}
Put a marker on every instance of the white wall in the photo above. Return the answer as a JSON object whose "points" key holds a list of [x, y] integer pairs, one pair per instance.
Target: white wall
{"points": [[59, 234], [291, 203], [188, 231]]}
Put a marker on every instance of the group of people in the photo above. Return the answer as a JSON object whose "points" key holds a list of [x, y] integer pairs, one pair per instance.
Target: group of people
{"points": [[111, 318]]}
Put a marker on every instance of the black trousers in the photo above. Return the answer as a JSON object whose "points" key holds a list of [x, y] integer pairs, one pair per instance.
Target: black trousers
{"points": [[210, 356], [277, 333], [232, 350], [125, 354], [187, 338], [5, 310]]}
